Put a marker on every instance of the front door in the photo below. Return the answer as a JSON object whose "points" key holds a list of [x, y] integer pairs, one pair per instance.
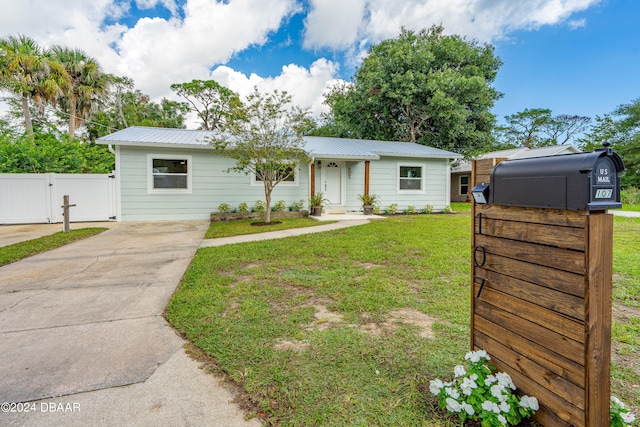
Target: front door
{"points": [[333, 182]]}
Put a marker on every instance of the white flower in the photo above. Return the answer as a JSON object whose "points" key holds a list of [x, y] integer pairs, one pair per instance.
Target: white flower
{"points": [[502, 420], [490, 380], [468, 408], [529, 402], [497, 391], [453, 405], [459, 371], [505, 380], [505, 407], [488, 405], [435, 386], [628, 417], [467, 386], [473, 377], [475, 356], [452, 392], [617, 402]]}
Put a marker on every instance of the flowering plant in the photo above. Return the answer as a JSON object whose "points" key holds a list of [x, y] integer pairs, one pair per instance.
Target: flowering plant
{"points": [[620, 416], [477, 394]]}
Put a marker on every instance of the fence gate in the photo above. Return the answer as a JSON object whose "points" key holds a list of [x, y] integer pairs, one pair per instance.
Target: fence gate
{"points": [[37, 198], [541, 304]]}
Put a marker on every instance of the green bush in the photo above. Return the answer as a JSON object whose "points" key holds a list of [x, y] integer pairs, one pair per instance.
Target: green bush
{"points": [[243, 207], [411, 210], [391, 209], [428, 209], [224, 208], [280, 206], [630, 196], [260, 206], [297, 206]]}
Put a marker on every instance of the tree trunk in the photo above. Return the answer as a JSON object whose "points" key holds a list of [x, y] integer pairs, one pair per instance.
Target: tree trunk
{"points": [[267, 196], [27, 116], [72, 118]]}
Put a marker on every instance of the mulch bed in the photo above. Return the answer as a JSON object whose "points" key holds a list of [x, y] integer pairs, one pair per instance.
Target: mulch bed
{"points": [[262, 223]]}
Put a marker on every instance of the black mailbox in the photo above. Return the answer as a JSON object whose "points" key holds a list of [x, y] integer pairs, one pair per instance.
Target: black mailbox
{"points": [[582, 181]]}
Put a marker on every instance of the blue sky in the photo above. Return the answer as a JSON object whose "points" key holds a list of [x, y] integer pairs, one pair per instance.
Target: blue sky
{"points": [[572, 56]]}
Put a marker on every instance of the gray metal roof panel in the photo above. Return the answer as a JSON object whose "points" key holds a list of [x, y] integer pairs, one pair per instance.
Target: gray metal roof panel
{"points": [[342, 148]]}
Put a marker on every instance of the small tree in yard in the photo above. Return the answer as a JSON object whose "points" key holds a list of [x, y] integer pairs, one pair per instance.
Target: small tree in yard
{"points": [[267, 141]]}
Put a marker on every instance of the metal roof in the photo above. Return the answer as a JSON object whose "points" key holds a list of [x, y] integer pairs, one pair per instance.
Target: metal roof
{"points": [[317, 147], [520, 153]]}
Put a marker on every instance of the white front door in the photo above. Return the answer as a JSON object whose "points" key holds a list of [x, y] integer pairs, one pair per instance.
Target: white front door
{"points": [[332, 187]]}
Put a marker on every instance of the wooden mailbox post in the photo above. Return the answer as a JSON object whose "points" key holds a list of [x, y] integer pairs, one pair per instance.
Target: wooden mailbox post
{"points": [[541, 303]]}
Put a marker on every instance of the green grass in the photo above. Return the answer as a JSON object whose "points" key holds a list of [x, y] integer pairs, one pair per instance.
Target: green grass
{"points": [[18, 251], [254, 308], [631, 208], [235, 228], [461, 207]]}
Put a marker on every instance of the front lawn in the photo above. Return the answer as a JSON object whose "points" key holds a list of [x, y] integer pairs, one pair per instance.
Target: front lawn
{"points": [[347, 327], [20, 250]]}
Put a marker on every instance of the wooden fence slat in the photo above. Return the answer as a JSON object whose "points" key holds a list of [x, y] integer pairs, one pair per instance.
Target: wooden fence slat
{"points": [[551, 320], [543, 377], [551, 235], [562, 345], [563, 281], [560, 407], [534, 215], [543, 356], [561, 302], [561, 259]]}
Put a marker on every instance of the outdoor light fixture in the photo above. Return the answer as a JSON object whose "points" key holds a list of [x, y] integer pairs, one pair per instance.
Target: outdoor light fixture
{"points": [[481, 193]]}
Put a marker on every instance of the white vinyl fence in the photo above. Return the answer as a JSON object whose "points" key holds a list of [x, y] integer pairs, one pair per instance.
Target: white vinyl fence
{"points": [[37, 198]]}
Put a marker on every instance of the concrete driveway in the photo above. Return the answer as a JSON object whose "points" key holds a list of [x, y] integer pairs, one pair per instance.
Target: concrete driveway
{"points": [[88, 317]]}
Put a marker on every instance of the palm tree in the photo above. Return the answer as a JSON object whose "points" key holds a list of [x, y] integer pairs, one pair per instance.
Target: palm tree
{"points": [[88, 85], [31, 72]]}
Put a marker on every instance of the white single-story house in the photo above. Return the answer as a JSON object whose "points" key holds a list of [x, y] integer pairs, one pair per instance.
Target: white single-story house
{"points": [[174, 174], [461, 172]]}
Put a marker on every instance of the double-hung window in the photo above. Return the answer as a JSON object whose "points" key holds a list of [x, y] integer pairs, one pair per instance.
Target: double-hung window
{"points": [[169, 173], [464, 185], [410, 178]]}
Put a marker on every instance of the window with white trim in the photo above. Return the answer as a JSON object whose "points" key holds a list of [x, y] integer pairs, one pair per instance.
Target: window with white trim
{"points": [[290, 180], [169, 173], [410, 178]]}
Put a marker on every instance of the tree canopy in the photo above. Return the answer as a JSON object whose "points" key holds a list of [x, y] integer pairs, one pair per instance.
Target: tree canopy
{"points": [[537, 127], [622, 129], [214, 104], [266, 140], [425, 87]]}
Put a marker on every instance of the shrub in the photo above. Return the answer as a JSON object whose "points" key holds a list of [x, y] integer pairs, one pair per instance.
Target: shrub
{"points": [[297, 206], [411, 210], [630, 196], [391, 209], [243, 207], [447, 209], [260, 206], [428, 209], [224, 208], [280, 206]]}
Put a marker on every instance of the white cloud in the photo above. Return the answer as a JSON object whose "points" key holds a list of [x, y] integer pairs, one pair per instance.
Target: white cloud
{"points": [[333, 23], [574, 24], [485, 20], [306, 86]]}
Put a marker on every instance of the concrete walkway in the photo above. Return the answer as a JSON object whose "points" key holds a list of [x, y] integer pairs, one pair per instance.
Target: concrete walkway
{"points": [[625, 213], [81, 331]]}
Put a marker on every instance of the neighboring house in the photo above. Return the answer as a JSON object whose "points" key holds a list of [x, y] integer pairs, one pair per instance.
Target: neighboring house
{"points": [[170, 174], [461, 173]]}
